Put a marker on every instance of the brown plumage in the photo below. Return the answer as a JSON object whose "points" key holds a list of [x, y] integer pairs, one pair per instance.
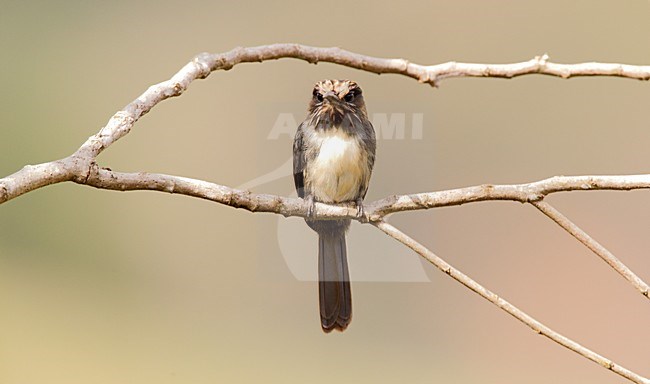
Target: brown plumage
{"points": [[333, 156]]}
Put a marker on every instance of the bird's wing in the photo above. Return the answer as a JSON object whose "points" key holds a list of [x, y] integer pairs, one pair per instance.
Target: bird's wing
{"points": [[299, 161]]}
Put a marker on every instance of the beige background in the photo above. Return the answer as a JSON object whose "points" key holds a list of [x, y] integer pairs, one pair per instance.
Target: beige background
{"points": [[145, 287]]}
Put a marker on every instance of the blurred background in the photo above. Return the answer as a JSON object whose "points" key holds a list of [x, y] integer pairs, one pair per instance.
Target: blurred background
{"points": [[145, 287]]}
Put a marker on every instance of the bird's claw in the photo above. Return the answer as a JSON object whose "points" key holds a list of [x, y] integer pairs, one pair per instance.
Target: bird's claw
{"points": [[361, 214], [311, 206]]}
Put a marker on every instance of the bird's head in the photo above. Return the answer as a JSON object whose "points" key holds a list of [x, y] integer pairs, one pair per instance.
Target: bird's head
{"points": [[333, 99]]}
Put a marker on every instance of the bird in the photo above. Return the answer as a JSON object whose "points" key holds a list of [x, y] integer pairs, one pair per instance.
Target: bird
{"points": [[333, 156]]}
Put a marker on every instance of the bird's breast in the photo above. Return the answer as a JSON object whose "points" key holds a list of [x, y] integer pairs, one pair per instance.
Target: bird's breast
{"points": [[339, 167]]}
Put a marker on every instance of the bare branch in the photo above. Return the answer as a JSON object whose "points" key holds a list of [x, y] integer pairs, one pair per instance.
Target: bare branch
{"points": [[593, 245], [490, 296], [107, 179], [376, 211], [78, 165], [69, 169], [32, 177], [430, 74], [523, 193]]}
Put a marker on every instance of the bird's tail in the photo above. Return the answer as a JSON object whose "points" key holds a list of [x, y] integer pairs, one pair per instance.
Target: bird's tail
{"points": [[334, 281]]}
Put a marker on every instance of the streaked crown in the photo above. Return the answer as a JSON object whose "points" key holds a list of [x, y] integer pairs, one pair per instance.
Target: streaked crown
{"points": [[332, 99]]}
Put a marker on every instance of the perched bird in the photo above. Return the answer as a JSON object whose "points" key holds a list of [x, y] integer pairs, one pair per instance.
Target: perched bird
{"points": [[333, 156]]}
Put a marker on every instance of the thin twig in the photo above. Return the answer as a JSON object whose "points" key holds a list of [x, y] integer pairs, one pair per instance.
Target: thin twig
{"points": [[431, 74], [522, 193], [592, 244], [490, 296]]}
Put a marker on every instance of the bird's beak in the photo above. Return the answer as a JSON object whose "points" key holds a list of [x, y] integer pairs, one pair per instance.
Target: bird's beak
{"points": [[331, 97]]}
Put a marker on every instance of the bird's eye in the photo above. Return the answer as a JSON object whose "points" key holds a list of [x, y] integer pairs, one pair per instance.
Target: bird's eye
{"points": [[349, 96], [318, 96]]}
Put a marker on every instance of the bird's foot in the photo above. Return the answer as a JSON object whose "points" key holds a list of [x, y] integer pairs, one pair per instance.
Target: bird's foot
{"points": [[311, 206], [361, 214]]}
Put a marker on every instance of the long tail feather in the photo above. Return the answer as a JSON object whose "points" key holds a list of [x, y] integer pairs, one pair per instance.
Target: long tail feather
{"points": [[334, 281]]}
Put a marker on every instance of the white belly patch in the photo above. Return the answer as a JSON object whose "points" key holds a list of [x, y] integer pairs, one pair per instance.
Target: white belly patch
{"points": [[338, 171]]}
